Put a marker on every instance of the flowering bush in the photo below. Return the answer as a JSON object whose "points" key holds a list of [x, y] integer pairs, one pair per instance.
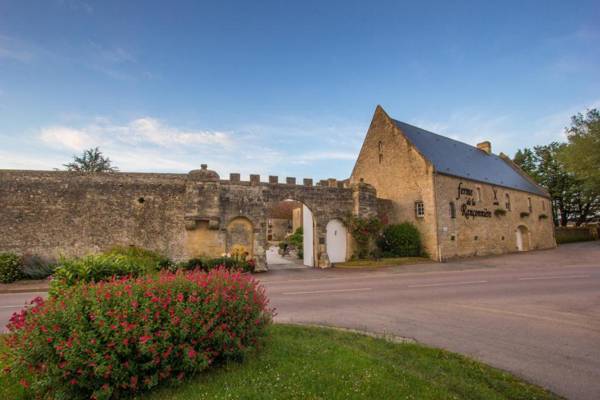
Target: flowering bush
{"points": [[109, 339]]}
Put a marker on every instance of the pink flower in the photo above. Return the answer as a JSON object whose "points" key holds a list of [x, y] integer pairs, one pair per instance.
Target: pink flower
{"points": [[192, 353], [144, 339]]}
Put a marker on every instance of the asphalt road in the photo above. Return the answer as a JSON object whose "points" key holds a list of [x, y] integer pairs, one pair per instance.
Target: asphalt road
{"points": [[535, 314]]}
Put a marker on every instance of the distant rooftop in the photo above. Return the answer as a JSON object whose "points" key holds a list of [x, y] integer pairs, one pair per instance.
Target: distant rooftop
{"points": [[451, 157]]}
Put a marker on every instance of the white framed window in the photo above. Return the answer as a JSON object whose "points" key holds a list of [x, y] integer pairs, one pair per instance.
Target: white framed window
{"points": [[419, 209]]}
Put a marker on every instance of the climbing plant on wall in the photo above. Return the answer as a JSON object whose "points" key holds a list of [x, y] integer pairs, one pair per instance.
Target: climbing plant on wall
{"points": [[365, 232]]}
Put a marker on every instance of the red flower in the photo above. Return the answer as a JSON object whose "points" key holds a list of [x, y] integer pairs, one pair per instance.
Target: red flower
{"points": [[24, 383], [192, 353], [144, 339]]}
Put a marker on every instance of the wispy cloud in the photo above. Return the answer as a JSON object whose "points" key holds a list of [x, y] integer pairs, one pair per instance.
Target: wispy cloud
{"points": [[14, 50], [140, 131], [76, 5], [151, 144], [506, 132]]}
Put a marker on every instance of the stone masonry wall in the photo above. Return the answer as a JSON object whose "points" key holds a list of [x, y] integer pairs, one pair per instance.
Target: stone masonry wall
{"points": [[400, 174], [489, 233], [50, 213], [53, 213]]}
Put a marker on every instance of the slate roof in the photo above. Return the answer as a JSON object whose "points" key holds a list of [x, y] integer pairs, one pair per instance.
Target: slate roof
{"points": [[451, 157]]}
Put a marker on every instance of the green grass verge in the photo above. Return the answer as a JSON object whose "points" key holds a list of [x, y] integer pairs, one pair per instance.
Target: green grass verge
{"points": [[315, 363], [383, 262]]}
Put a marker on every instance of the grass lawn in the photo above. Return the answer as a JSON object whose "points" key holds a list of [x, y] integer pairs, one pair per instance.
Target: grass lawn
{"points": [[383, 262], [314, 363]]}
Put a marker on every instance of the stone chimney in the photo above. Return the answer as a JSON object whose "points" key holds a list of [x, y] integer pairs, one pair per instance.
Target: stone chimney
{"points": [[485, 146]]}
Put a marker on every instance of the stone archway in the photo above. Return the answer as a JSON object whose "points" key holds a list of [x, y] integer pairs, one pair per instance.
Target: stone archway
{"points": [[301, 218], [522, 234], [240, 237]]}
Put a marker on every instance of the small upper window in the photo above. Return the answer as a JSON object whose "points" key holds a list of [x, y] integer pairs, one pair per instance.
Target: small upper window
{"points": [[479, 194], [380, 145], [529, 204], [507, 204], [544, 205], [452, 210], [419, 209]]}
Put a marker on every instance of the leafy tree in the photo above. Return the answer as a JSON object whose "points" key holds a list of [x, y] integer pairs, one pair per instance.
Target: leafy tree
{"points": [[571, 200], [91, 160], [582, 154]]}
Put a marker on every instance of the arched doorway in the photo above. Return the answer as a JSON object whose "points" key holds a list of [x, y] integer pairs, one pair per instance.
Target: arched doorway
{"points": [[290, 235], [240, 237], [522, 238], [336, 241]]}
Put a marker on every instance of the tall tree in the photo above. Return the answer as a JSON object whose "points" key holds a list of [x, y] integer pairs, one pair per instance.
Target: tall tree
{"points": [[91, 160], [571, 201], [582, 154]]}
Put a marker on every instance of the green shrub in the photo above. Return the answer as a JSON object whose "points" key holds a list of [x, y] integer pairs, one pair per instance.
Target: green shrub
{"points": [[400, 240], [119, 338], [146, 258], [10, 268], [94, 268], [365, 232], [235, 263]]}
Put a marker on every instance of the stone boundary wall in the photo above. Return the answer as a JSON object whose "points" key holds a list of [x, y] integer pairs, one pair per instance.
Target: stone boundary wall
{"points": [[576, 234], [54, 213]]}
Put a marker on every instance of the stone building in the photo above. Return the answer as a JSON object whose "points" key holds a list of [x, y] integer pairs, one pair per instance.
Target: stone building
{"points": [[465, 200]]}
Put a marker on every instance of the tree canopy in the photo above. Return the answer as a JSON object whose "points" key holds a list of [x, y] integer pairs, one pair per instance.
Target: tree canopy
{"points": [[91, 160], [569, 171], [582, 154]]}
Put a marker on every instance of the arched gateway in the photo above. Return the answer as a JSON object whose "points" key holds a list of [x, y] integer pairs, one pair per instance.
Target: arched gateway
{"points": [[213, 204]]}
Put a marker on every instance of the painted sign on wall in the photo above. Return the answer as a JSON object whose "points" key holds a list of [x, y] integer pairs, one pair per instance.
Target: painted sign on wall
{"points": [[465, 208]]}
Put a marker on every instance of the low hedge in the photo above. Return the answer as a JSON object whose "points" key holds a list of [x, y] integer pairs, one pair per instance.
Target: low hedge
{"points": [[10, 268], [111, 339], [94, 268], [400, 240], [207, 264]]}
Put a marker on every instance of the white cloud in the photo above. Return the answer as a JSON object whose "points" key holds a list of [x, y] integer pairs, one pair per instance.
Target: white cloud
{"points": [[140, 131], [153, 131], [62, 136]]}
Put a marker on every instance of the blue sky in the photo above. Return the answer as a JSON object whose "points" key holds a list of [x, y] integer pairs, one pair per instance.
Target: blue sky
{"points": [[284, 88]]}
